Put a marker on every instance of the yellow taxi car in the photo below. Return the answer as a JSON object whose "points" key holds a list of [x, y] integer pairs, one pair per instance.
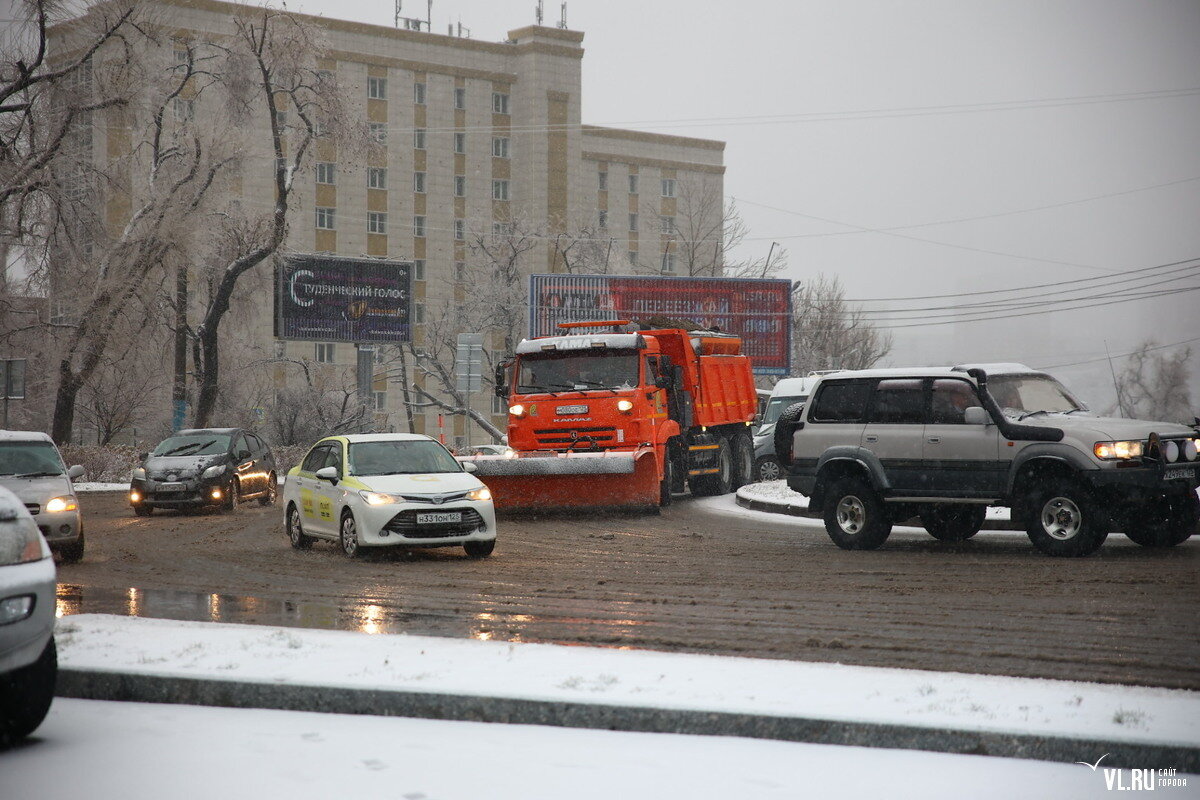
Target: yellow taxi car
{"points": [[387, 490]]}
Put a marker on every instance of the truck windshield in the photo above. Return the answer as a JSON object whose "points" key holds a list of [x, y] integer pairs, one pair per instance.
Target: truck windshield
{"points": [[576, 370], [30, 459], [1022, 395]]}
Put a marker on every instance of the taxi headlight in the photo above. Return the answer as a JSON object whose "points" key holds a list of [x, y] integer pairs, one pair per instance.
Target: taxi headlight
{"points": [[625, 406], [61, 504], [379, 498], [517, 410], [482, 493], [213, 471], [1115, 451]]}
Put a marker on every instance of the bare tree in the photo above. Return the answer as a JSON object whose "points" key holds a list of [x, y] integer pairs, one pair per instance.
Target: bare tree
{"points": [[708, 231], [1155, 384], [318, 404], [827, 333], [271, 68]]}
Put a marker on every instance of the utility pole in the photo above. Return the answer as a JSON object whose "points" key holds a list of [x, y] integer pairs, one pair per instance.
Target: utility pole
{"points": [[179, 388]]}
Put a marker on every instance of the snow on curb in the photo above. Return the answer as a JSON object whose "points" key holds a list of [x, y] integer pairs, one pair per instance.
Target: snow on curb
{"points": [[110, 657]]}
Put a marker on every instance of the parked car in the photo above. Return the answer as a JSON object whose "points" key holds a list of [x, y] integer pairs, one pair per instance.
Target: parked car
{"points": [[876, 446], [787, 392], [202, 467], [28, 659], [32, 468], [387, 490], [490, 450]]}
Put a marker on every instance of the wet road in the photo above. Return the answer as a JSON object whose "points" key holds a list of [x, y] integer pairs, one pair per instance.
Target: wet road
{"points": [[696, 579]]}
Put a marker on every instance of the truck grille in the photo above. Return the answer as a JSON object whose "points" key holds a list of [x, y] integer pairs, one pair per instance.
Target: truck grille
{"points": [[558, 436], [405, 524]]}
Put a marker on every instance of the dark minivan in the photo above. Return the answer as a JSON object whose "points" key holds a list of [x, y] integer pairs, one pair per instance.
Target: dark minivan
{"points": [[202, 467]]}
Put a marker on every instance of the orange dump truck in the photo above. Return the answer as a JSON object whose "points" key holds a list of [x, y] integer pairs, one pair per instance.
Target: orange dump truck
{"points": [[622, 419]]}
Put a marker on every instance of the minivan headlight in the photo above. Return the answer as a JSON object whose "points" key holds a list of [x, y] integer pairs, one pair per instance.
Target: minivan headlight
{"points": [[1117, 451], [61, 504], [482, 493], [213, 471]]}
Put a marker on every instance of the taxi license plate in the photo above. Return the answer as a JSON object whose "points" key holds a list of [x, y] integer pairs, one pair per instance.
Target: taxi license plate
{"points": [[170, 487], [434, 517], [1178, 473]]}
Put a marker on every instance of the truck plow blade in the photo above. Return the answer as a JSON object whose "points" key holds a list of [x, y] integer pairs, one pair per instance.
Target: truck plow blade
{"points": [[570, 480]]}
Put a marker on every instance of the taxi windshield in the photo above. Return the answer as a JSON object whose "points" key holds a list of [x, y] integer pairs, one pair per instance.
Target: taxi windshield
{"points": [[400, 458]]}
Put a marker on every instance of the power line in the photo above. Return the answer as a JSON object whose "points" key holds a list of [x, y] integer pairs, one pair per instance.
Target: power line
{"points": [[1121, 355]]}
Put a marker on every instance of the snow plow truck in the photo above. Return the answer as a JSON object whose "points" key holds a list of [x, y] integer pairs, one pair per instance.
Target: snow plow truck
{"points": [[611, 418]]}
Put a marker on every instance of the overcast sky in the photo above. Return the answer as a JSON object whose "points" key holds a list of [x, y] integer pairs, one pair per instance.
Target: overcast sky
{"points": [[1067, 131]]}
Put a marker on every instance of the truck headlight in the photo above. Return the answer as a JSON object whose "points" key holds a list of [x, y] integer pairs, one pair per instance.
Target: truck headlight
{"points": [[1117, 451], [213, 471], [625, 406], [517, 411], [482, 493], [62, 504], [378, 498]]}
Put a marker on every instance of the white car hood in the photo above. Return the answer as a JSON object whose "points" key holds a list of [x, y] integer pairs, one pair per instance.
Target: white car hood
{"points": [[1112, 428], [433, 483], [37, 490]]}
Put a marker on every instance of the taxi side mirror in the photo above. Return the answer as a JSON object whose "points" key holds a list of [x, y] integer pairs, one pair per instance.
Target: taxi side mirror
{"points": [[327, 474]]}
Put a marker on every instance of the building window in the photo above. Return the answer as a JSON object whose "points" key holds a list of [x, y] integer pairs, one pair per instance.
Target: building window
{"points": [[668, 264], [418, 315], [325, 218], [325, 172], [377, 88], [460, 143], [185, 109], [321, 127], [380, 400], [377, 177], [499, 103], [668, 187], [633, 257], [667, 224], [603, 181], [419, 226], [419, 94], [460, 185], [280, 348], [418, 269], [500, 146], [376, 222], [325, 352], [460, 229], [419, 182], [503, 228], [603, 219], [633, 223], [325, 76], [633, 183], [499, 190], [419, 139], [499, 405], [281, 164], [460, 98], [377, 131], [281, 119], [460, 270]]}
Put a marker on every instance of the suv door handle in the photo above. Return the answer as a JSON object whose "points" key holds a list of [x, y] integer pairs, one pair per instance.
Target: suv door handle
{"points": [[935, 439], [872, 438]]}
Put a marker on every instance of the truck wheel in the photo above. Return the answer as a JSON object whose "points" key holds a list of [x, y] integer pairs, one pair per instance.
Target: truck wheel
{"points": [[720, 482], [855, 517], [1166, 523], [953, 522], [785, 427], [742, 451], [1063, 519], [668, 479], [768, 469]]}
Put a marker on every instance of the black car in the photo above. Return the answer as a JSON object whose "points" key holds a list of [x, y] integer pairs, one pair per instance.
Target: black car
{"points": [[202, 467]]}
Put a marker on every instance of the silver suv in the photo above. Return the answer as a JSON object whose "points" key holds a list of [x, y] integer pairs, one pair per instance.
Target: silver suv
{"points": [[878, 446]]}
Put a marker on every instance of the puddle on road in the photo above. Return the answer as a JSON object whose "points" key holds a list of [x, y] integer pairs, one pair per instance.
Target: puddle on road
{"points": [[375, 616]]}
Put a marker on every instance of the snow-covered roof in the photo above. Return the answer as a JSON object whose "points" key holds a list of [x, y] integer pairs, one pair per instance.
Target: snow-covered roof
{"points": [[585, 341], [933, 372], [385, 437], [24, 436]]}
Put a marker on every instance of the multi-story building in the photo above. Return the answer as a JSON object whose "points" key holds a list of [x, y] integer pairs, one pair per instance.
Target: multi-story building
{"points": [[479, 137]]}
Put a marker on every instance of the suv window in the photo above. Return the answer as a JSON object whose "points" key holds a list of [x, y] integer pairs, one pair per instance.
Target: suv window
{"points": [[899, 402], [951, 398], [841, 402], [315, 458]]}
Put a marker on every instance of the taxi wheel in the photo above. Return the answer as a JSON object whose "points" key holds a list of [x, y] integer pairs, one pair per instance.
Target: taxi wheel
{"points": [[300, 540], [480, 549], [349, 535]]}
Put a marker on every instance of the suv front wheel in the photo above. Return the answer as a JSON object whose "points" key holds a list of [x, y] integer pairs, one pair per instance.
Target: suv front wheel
{"points": [[855, 517], [1063, 519]]}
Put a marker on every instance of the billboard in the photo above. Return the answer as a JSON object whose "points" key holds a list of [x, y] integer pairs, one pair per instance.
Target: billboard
{"points": [[335, 299], [758, 310]]}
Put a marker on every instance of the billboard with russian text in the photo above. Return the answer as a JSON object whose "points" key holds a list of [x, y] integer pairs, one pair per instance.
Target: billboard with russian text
{"points": [[329, 298], [757, 310]]}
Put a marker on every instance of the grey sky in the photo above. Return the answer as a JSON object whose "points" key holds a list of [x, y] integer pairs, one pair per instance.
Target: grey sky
{"points": [[1004, 130]]}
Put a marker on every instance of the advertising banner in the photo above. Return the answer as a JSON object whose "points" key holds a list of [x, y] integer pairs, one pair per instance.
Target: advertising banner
{"points": [[334, 299], [757, 310]]}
